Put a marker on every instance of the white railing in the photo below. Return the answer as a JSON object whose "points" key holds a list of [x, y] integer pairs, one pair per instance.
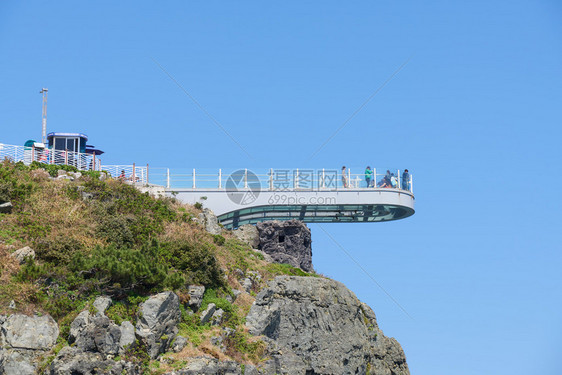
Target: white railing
{"points": [[82, 161], [281, 179]]}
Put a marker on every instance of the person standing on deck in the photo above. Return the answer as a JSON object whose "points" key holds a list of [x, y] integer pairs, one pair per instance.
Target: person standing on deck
{"points": [[368, 176], [344, 176]]}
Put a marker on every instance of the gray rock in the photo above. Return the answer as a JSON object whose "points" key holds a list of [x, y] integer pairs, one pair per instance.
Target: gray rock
{"points": [[76, 175], [61, 172], [107, 335], [208, 313], [318, 326], [157, 322], [86, 196], [217, 317], [30, 332], [209, 366], [127, 336], [208, 219], [196, 293], [6, 208], [287, 242], [101, 304], [78, 325], [21, 254], [95, 334], [247, 284], [18, 362], [179, 343], [72, 361], [248, 233]]}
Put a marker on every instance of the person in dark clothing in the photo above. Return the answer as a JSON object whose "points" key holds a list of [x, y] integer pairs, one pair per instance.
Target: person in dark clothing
{"points": [[406, 180]]}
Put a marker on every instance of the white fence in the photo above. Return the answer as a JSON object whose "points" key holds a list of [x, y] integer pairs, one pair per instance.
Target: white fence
{"points": [[282, 179], [82, 161]]}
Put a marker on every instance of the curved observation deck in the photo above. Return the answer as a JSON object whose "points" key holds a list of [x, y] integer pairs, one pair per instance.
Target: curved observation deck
{"points": [[317, 197]]}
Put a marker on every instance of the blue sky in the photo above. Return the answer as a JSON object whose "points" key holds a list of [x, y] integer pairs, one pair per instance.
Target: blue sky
{"points": [[474, 114]]}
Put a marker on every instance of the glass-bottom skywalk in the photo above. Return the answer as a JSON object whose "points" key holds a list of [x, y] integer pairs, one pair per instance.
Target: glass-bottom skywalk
{"points": [[315, 214]]}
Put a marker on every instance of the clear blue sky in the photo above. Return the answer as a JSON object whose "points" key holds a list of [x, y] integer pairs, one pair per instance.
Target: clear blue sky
{"points": [[475, 115]]}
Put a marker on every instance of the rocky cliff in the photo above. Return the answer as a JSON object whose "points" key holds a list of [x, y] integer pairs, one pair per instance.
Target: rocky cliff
{"points": [[98, 278]]}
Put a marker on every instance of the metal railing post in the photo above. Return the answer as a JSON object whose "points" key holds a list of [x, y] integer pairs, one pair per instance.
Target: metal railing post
{"points": [[245, 178], [193, 178], [348, 177], [167, 178], [399, 184], [220, 178], [411, 184], [323, 179], [270, 178], [296, 180]]}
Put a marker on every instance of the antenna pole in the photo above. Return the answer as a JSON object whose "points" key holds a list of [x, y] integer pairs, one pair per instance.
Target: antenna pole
{"points": [[44, 116]]}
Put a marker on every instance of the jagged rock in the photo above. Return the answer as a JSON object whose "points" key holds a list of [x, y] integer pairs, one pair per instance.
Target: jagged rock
{"points": [[6, 207], [23, 253], [98, 335], [157, 322], [212, 366], [30, 332], [216, 319], [208, 313], [318, 326], [208, 219], [127, 335], [287, 242], [179, 343], [107, 335], [248, 233], [234, 296], [251, 281], [78, 325], [101, 304], [196, 293], [72, 361], [18, 362]]}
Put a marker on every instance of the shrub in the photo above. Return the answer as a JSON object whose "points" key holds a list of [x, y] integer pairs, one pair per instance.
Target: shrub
{"points": [[123, 269], [196, 260]]}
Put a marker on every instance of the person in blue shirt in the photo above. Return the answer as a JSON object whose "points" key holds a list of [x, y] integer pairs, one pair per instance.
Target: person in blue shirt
{"points": [[406, 180]]}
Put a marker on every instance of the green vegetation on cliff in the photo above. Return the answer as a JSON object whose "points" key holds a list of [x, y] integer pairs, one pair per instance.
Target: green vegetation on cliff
{"points": [[104, 237]]}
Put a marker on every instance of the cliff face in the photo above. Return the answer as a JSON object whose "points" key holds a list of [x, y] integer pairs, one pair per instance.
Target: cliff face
{"points": [[111, 281], [318, 326]]}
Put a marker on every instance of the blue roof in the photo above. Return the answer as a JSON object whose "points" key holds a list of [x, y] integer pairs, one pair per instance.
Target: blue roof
{"points": [[61, 134]]}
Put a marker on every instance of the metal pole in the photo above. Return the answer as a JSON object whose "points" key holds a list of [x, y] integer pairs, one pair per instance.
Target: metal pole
{"points": [[399, 184], [323, 179], [167, 178], [44, 116], [411, 184], [220, 178], [270, 178], [245, 178], [65, 157], [296, 181], [193, 178]]}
